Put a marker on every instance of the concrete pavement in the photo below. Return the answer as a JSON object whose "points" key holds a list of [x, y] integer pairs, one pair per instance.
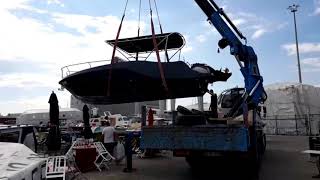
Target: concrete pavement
{"points": [[283, 160]]}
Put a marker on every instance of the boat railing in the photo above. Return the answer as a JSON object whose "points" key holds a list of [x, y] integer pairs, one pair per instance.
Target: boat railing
{"points": [[73, 68]]}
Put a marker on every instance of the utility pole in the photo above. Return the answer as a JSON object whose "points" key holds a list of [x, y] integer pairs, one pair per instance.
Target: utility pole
{"points": [[294, 9]]}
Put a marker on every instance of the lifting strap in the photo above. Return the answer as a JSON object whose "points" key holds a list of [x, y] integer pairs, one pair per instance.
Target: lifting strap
{"points": [[155, 4], [114, 49], [164, 83], [137, 54]]}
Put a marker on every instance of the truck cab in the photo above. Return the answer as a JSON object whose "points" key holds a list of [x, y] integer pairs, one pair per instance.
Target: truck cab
{"points": [[227, 99]]}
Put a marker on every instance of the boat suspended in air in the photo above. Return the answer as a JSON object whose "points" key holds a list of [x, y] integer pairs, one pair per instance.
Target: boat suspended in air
{"points": [[136, 79]]}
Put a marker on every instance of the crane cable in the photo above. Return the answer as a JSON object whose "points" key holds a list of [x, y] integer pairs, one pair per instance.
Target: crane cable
{"points": [[114, 49], [164, 83]]}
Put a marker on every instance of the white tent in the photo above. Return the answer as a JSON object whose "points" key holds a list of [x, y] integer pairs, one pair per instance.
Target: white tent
{"points": [[20, 162], [292, 108], [292, 99]]}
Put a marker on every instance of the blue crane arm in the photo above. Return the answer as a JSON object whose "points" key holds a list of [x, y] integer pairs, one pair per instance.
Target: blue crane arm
{"points": [[245, 55]]}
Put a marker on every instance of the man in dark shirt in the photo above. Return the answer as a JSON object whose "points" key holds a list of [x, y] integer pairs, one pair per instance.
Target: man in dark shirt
{"points": [[213, 105]]}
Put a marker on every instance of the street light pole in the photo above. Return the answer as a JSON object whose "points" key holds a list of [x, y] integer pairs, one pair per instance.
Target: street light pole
{"points": [[294, 9]]}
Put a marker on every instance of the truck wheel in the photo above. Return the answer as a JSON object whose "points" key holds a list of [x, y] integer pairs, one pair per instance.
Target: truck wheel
{"points": [[255, 155], [254, 164], [196, 162], [264, 143]]}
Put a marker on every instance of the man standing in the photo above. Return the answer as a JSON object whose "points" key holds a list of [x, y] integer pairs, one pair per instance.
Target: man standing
{"points": [[109, 137], [213, 105]]}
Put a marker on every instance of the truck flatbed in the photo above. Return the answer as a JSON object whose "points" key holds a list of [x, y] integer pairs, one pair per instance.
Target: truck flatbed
{"points": [[203, 137]]}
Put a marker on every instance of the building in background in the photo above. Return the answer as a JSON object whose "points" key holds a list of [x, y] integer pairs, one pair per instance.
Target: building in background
{"points": [[124, 109], [40, 117], [9, 119]]}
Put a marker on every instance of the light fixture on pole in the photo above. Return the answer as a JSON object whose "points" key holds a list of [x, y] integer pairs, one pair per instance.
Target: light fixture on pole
{"points": [[294, 9]]}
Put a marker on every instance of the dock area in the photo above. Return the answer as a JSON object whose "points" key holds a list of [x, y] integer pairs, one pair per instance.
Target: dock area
{"points": [[282, 160]]}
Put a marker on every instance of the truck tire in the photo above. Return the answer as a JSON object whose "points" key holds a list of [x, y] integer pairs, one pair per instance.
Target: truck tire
{"points": [[264, 144], [190, 162], [196, 162], [255, 153]]}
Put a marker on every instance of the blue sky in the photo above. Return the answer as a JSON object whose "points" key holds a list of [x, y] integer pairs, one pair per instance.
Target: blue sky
{"points": [[39, 37]]}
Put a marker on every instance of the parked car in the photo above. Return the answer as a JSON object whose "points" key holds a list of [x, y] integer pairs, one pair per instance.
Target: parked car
{"points": [[97, 121], [23, 134]]}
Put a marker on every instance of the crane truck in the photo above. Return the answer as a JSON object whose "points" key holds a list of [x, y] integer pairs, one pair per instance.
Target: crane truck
{"points": [[196, 135]]}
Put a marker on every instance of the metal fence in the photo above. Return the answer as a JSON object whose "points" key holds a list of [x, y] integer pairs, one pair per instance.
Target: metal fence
{"points": [[307, 124]]}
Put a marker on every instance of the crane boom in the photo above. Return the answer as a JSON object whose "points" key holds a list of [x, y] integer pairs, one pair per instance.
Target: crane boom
{"points": [[195, 135], [245, 55]]}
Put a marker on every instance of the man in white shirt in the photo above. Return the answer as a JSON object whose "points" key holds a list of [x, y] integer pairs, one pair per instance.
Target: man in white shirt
{"points": [[109, 137]]}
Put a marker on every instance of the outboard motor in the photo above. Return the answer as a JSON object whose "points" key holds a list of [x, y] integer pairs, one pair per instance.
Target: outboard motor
{"points": [[202, 68], [209, 73]]}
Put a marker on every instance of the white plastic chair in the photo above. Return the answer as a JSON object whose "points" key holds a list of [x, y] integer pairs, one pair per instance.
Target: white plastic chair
{"points": [[103, 158], [56, 167], [70, 165]]}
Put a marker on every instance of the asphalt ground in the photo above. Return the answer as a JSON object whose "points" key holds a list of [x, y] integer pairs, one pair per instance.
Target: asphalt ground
{"points": [[282, 160]]}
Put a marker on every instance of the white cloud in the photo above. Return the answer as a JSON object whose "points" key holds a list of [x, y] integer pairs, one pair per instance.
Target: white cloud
{"points": [[29, 80], [312, 64], [258, 33], [201, 38], [14, 4], [132, 11], [253, 24], [209, 29], [32, 40], [303, 48], [29, 102], [57, 2], [248, 15], [308, 65], [257, 26], [317, 7], [239, 21], [188, 47]]}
